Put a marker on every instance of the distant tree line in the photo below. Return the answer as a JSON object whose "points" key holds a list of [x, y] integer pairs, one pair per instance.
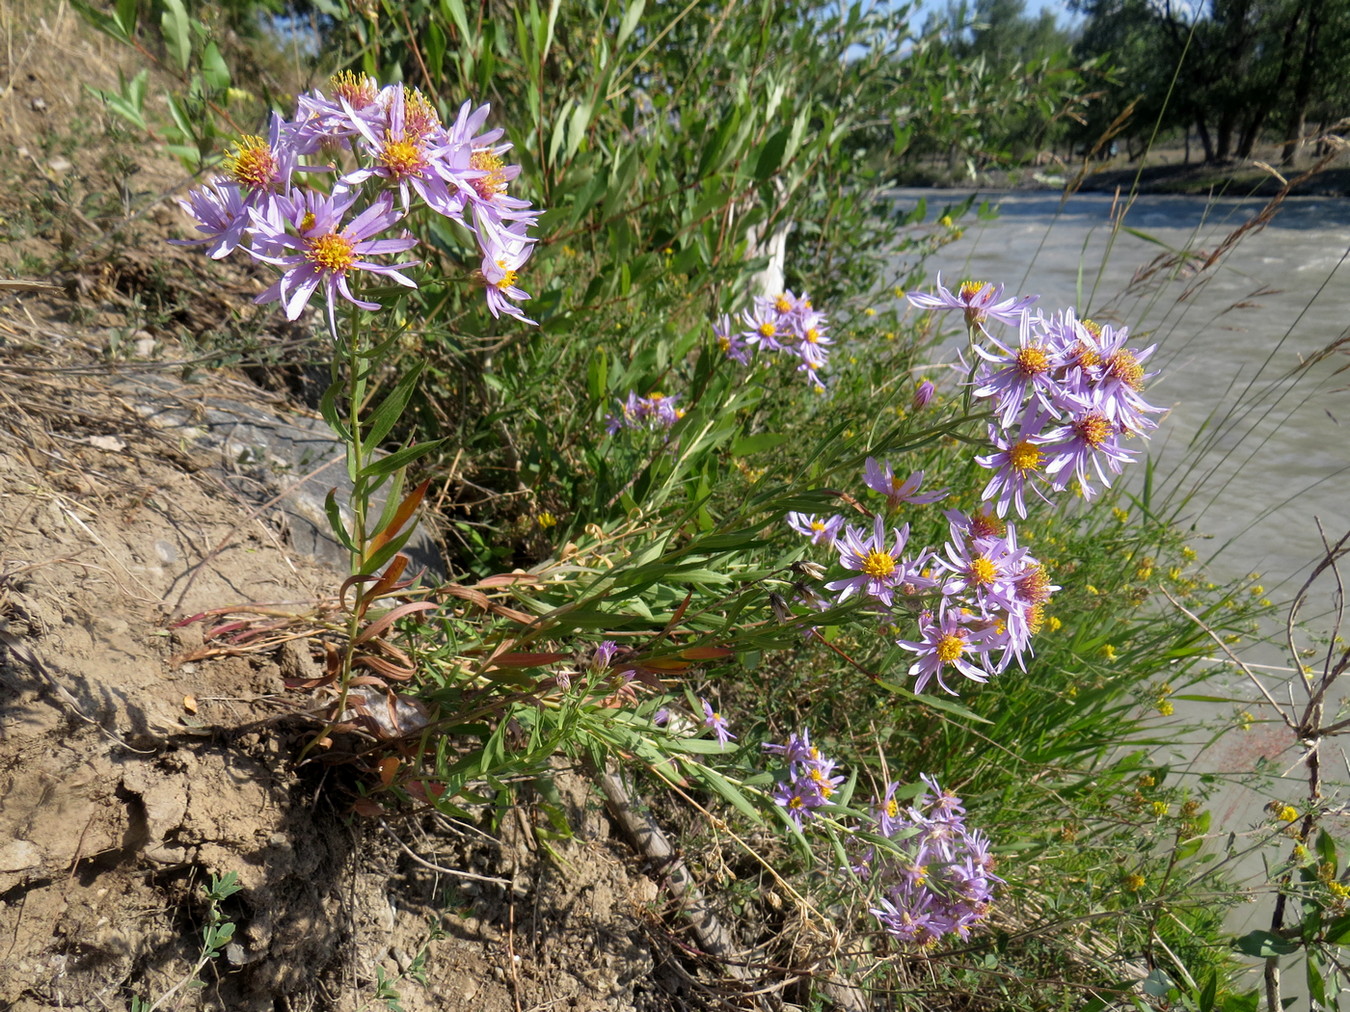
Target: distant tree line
{"points": [[987, 84], [1232, 71]]}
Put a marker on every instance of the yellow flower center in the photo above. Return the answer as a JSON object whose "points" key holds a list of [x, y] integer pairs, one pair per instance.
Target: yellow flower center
{"points": [[982, 571], [892, 808], [307, 222], [812, 335], [402, 158], [1024, 457], [508, 277], [1091, 327], [1085, 357], [359, 92], [419, 116], [1126, 368], [817, 526], [878, 564], [1032, 361], [986, 525], [970, 289], [950, 648], [494, 182], [767, 329], [1093, 429], [332, 253], [252, 164], [1034, 586], [782, 304]]}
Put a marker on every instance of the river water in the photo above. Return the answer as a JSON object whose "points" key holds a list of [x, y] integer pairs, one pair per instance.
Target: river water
{"points": [[1256, 444]]}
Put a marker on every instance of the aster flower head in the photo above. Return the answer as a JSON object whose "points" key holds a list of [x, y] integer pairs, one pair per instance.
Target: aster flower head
{"points": [[923, 395], [714, 720], [505, 250], [325, 253], [820, 531], [1029, 369], [947, 645], [730, 343], [879, 568], [1088, 438], [1017, 462], [979, 301], [879, 477], [220, 210]]}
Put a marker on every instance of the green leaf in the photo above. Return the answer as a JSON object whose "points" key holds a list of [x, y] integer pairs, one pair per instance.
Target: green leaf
{"points": [[384, 417], [1264, 944], [771, 154], [1338, 931], [758, 443], [335, 524], [126, 16], [434, 50], [454, 10], [946, 706], [399, 458], [177, 37], [631, 17], [1209, 993], [214, 69]]}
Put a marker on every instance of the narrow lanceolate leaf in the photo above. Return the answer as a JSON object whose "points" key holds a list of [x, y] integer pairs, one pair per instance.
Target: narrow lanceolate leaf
{"points": [[177, 36]]}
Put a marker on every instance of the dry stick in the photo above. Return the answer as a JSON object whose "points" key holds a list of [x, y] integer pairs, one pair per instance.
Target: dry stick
{"points": [[647, 838]]}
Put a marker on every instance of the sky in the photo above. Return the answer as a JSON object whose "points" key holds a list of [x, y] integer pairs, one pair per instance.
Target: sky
{"points": [[1060, 8]]}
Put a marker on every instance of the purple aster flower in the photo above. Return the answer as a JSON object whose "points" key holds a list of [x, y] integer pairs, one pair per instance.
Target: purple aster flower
{"points": [[1016, 461], [325, 252], [1029, 369], [764, 329], [879, 477], [730, 343], [717, 722], [978, 300], [923, 395], [888, 813], [797, 750], [1089, 437], [945, 645], [505, 250], [821, 532], [937, 802], [879, 568], [404, 155], [220, 208]]}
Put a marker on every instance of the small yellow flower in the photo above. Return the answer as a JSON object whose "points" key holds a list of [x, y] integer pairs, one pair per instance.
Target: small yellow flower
{"points": [[1091, 589], [1339, 889], [1123, 516], [1188, 553], [1053, 624], [1286, 813], [1166, 708], [1133, 883], [1108, 652], [1253, 576], [898, 292], [869, 311], [1246, 720], [945, 221], [1160, 808], [1256, 590], [889, 335], [1147, 780], [547, 520]]}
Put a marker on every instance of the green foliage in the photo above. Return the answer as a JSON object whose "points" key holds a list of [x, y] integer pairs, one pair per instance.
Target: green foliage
{"points": [[671, 150]]}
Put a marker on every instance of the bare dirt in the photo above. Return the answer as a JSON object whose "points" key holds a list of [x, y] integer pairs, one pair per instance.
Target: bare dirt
{"points": [[134, 769]]}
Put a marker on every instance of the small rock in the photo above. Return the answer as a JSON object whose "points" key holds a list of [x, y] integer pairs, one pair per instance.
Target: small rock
{"points": [[37, 103]]}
